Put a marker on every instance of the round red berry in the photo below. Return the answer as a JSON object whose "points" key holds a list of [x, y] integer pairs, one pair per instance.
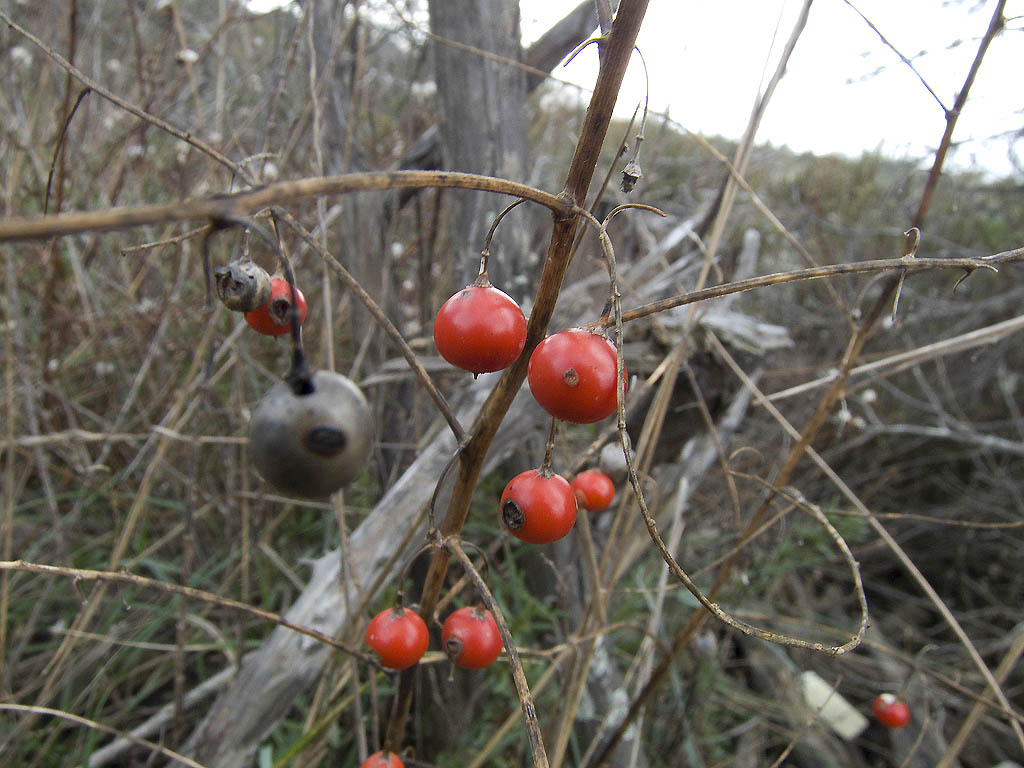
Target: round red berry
{"points": [[572, 376], [594, 489], [480, 329], [890, 711], [538, 507], [470, 638], [275, 317], [383, 759], [398, 636]]}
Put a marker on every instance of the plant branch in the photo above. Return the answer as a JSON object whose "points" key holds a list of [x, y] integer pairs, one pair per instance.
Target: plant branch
{"points": [[153, 747], [817, 273], [123, 577], [250, 201], [581, 172], [540, 758]]}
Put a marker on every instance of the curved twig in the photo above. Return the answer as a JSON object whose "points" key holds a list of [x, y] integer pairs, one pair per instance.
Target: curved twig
{"points": [[652, 526], [249, 201], [485, 252], [540, 758], [886, 537], [817, 273], [153, 747], [123, 577]]}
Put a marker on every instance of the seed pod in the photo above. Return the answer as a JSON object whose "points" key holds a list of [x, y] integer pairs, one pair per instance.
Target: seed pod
{"points": [[242, 285], [312, 444], [631, 175]]}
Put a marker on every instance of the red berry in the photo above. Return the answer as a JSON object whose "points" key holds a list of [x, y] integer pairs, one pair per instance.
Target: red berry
{"points": [[480, 329], [538, 507], [594, 489], [470, 638], [398, 636], [572, 376], [383, 759], [890, 711], [275, 317]]}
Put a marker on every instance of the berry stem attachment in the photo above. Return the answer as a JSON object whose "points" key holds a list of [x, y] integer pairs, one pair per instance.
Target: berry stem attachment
{"points": [[609, 259], [545, 468], [431, 520], [299, 376], [215, 226], [485, 253], [400, 593]]}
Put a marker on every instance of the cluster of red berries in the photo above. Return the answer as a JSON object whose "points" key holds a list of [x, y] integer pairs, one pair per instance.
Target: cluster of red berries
{"points": [[572, 375], [539, 506], [469, 636]]}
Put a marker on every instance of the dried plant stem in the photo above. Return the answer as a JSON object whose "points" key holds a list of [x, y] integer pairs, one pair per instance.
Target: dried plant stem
{"points": [[1006, 665], [83, 78], [886, 537], [670, 560], [817, 273], [903, 360], [485, 252], [995, 26], [245, 203], [501, 732], [540, 758], [581, 171], [191, 593], [157, 748], [742, 157]]}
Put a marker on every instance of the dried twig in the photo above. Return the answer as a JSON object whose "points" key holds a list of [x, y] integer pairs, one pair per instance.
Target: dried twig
{"points": [[540, 759], [157, 748], [122, 577], [248, 202]]}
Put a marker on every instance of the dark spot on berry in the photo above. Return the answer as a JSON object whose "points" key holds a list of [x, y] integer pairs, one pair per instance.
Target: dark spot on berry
{"points": [[512, 516], [453, 648], [571, 377], [326, 441], [280, 311]]}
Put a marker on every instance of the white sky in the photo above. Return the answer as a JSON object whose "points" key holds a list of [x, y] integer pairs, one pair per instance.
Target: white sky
{"points": [[844, 91]]}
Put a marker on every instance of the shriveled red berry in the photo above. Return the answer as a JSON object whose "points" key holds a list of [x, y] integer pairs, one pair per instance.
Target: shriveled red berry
{"points": [[470, 638], [538, 507], [242, 285], [572, 376], [594, 489], [398, 636], [274, 317], [480, 329]]}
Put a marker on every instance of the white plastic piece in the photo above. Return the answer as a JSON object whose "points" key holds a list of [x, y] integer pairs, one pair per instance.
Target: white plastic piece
{"points": [[841, 716]]}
